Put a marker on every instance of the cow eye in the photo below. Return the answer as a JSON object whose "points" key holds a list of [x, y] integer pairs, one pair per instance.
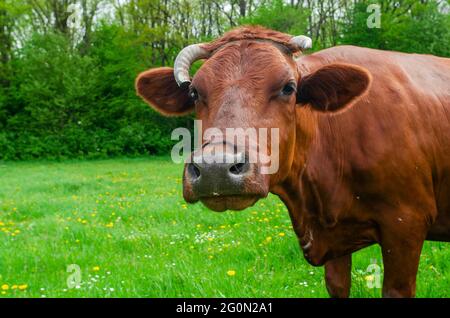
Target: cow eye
{"points": [[288, 89], [193, 94]]}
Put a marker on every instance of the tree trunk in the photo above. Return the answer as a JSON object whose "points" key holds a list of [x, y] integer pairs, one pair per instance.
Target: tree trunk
{"points": [[242, 7]]}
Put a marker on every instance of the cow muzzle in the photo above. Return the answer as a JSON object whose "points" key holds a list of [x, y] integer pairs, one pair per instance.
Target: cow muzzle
{"points": [[224, 180]]}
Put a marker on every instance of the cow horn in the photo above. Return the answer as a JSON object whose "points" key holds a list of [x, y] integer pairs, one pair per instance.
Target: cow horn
{"points": [[184, 60], [301, 42]]}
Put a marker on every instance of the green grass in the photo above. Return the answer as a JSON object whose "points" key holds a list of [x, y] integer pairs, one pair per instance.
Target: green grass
{"points": [[125, 224]]}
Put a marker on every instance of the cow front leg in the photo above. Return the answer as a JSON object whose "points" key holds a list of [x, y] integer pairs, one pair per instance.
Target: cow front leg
{"points": [[338, 276], [401, 260]]}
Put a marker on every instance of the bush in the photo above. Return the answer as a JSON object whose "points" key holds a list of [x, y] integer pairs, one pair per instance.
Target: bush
{"points": [[62, 104], [425, 30]]}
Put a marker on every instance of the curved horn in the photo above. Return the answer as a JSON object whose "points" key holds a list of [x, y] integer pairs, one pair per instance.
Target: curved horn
{"points": [[301, 42], [184, 60]]}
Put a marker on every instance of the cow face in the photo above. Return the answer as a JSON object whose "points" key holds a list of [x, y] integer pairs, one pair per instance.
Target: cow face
{"points": [[246, 91]]}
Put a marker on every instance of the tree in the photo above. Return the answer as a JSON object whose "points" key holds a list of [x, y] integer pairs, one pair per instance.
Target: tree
{"points": [[279, 16], [68, 90], [419, 27]]}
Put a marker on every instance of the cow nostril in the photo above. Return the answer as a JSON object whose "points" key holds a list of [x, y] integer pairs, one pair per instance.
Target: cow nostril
{"points": [[238, 168], [193, 171]]}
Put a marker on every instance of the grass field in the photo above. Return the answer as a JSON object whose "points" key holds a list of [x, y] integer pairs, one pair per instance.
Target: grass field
{"points": [[126, 226]]}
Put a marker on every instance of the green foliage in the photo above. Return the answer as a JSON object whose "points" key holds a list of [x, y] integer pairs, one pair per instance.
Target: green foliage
{"points": [[415, 27], [66, 105], [69, 93], [278, 15]]}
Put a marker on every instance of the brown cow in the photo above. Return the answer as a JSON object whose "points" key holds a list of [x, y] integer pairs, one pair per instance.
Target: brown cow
{"points": [[378, 172]]}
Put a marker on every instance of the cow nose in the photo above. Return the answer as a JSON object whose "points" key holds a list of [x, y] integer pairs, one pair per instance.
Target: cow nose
{"points": [[218, 175], [239, 168], [195, 170]]}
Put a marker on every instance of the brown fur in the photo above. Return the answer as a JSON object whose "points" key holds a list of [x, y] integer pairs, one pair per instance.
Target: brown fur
{"points": [[332, 86], [250, 33], [159, 89], [376, 173]]}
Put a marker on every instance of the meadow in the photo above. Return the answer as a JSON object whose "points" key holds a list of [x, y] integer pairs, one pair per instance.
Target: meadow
{"points": [[124, 223]]}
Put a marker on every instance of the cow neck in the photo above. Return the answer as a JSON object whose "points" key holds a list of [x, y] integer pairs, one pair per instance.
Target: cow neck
{"points": [[290, 189]]}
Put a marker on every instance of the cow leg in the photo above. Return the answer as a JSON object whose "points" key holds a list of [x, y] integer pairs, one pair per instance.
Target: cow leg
{"points": [[338, 276], [401, 260]]}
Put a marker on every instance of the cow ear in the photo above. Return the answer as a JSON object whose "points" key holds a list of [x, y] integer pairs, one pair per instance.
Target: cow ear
{"points": [[333, 87], [160, 90]]}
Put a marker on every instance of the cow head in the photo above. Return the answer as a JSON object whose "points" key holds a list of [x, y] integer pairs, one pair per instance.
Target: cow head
{"points": [[250, 82]]}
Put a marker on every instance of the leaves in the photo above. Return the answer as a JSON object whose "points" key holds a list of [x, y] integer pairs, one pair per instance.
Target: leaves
{"points": [[69, 92]]}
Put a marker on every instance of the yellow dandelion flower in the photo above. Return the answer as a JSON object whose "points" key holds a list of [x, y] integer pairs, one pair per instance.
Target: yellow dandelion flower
{"points": [[96, 268], [23, 287], [268, 239], [231, 272], [281, 234], [5, 287], [369, 278], [2, 224], [14, 287], [110, 224]]}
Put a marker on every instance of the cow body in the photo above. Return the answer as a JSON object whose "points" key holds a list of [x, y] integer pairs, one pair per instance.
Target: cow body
{"points": [[364, 152], [380, 171]]}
